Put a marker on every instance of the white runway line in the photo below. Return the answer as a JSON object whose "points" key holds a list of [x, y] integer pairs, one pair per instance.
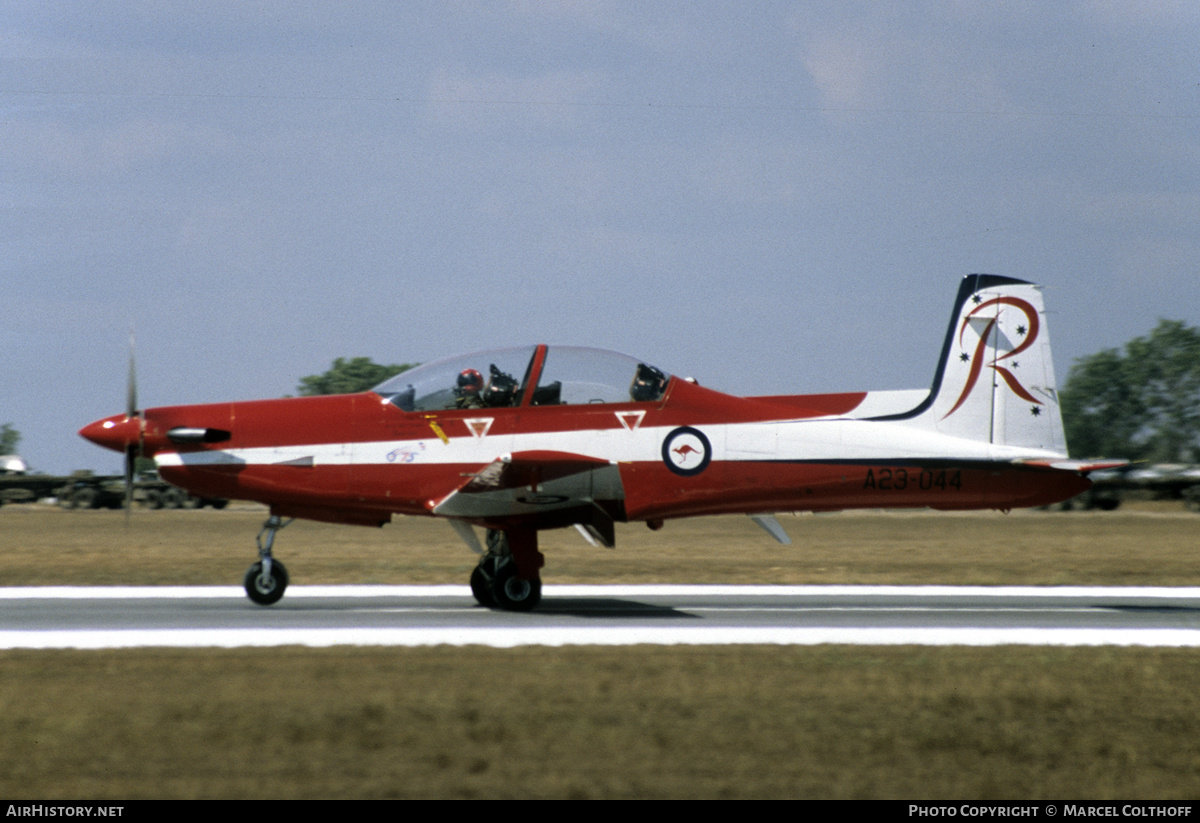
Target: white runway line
{"points": [[620, 636], [616, 590], [532, 635]]}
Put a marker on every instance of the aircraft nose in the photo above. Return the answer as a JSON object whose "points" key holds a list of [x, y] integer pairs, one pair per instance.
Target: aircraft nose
{"points": [[116, 433]]}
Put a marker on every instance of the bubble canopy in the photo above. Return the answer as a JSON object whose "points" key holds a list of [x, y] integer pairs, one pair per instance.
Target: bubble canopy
{"points": [[559, 375]]}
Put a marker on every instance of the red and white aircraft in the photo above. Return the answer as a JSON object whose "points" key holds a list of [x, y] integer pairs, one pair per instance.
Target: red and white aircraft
{"points": [[520, 440]]}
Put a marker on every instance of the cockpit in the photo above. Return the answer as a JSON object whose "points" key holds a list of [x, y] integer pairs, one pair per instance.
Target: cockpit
{"points": [[529, 376]]}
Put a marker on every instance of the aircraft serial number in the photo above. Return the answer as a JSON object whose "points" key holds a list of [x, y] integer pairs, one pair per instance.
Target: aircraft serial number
{"points": [[902, 479]]}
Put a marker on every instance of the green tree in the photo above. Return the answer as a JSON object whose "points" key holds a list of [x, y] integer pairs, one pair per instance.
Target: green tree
{"points": [[10, 438], [1140, 403], [349, 376]]}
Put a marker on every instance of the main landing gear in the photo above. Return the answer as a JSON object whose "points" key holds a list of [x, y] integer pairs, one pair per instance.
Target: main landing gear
{"points": [[507, 577], [267, 579]]}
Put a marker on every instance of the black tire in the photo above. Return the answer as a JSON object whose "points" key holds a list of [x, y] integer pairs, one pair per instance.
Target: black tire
{"points": [[481, 586], [512, 593], [265, 591]]}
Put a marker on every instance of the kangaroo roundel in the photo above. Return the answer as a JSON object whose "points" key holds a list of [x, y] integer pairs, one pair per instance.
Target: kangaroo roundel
{"points": [[686, 451]]}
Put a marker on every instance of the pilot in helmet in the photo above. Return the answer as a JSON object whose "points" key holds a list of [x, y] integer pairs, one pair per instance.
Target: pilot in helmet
{"points": [[467, 389], [648, 384], [501, 389]]}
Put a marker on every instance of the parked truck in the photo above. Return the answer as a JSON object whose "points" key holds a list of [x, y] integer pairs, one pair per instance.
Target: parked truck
{"points": [[85, 490]]}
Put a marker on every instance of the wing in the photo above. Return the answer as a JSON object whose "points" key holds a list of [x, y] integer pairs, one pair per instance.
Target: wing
{"points": [[554, 488]]}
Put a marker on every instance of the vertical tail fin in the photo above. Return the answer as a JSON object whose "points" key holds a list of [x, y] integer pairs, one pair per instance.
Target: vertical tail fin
{"points": [[995, 379]]}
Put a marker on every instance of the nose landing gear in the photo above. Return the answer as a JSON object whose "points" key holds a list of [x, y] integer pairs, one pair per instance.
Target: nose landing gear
{"points": [[267, 578]]}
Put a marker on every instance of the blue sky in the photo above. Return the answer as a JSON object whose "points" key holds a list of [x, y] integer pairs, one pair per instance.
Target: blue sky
{"points": [[769, 196]]}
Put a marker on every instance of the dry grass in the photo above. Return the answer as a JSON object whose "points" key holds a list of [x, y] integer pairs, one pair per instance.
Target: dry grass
{"points": [[725, 722], [936, 723], [1151, 545]]}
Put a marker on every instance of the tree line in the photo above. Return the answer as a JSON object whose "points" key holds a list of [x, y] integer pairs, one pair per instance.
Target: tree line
{"points": [[356, 374], [1139, 402]]}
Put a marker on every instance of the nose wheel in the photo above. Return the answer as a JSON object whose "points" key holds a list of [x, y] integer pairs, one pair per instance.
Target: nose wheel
{"points": [[265, 582], [267, 579]]}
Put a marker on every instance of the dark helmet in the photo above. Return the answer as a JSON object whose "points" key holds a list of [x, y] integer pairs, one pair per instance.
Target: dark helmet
{"points": [[501, 389], [470, 381], [648, 384]]}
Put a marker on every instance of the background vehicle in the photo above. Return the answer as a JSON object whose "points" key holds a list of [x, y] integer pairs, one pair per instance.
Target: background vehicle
{"points": [[85, 490]]}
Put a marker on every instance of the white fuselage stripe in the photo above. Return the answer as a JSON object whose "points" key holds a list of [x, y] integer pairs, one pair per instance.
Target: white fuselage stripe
{"points": [[834, 440]]}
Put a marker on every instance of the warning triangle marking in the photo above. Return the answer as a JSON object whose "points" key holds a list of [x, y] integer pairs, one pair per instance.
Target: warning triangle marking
{"points": [[630, 419]]}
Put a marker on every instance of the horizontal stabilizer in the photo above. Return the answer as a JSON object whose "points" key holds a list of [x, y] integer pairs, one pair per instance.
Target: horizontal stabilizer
{"points": [[1082, 466]]}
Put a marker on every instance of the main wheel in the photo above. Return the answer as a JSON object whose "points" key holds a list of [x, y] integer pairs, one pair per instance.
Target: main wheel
{"points": [[481, 586], [512, 593], [262, 589]]}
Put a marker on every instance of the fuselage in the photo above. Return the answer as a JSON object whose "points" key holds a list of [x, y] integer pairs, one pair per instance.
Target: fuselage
{"points": [[690, 451]]}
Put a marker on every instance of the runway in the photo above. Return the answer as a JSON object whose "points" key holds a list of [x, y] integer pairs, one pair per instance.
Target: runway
{"points": [[123, 617]]}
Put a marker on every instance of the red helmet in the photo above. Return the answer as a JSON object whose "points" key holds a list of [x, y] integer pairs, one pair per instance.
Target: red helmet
{"points": [[470, 381]]}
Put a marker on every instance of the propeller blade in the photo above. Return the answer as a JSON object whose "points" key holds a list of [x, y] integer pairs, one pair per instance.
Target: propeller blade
{"points": [[131, 401], [133, 451], [131, 457]]}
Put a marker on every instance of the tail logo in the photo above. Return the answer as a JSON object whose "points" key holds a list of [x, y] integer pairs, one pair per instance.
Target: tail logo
{"points": [[1028, 331]]}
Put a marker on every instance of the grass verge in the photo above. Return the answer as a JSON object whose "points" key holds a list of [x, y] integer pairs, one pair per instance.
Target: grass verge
{"points": [[712, 722], [638, 722]]}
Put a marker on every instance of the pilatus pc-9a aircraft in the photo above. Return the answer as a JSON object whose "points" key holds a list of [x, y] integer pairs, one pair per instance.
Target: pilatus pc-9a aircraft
{"points": [[516, 441]]}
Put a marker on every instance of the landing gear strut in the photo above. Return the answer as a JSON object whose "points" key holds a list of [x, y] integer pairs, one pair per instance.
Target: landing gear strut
{"points": [[507, 577], [267, 578]]}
